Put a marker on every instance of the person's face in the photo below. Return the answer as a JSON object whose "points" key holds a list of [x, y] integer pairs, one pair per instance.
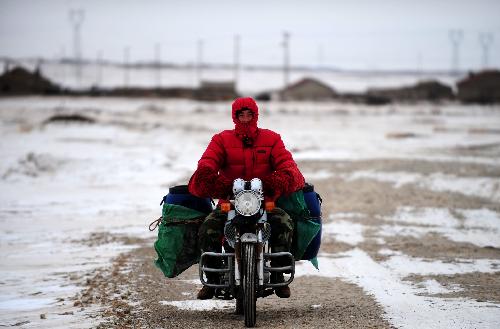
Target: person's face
{"points": [[245, 116]]}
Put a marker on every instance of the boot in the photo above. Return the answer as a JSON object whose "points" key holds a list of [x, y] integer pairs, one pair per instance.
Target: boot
{"points": [[281, 292], [206, 293]]}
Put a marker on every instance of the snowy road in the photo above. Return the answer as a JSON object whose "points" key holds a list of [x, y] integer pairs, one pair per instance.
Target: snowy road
{"points": [[411, 224]]}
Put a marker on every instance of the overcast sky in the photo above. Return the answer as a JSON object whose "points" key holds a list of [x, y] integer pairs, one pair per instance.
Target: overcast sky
{"points": [[362, 34]]}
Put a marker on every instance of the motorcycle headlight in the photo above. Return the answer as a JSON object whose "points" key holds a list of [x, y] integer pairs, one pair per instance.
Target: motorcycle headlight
{"points": [[247, 203]]}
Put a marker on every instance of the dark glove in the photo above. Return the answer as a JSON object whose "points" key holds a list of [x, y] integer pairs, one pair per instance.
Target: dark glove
{"points": [[275, 184], [222, 188], [206, 182]]}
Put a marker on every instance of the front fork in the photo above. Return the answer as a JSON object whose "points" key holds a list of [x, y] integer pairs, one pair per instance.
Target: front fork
{"points": [[259, 253]]}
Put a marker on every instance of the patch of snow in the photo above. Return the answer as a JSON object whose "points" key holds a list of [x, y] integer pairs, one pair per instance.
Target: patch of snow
{"points": [[399, 230], [481, 218], [191, 281], [321, 174], [398, 179], [425, 216], [484, 187], [480, 227], [433, 287], [345, 215], [404, 308], [389, 252], [344, 231], [200, 305], [404, 265], [14, 303], [480, 238]]}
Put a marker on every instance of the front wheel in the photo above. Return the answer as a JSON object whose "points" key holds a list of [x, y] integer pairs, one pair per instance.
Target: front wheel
{"points": [[249, 272]]}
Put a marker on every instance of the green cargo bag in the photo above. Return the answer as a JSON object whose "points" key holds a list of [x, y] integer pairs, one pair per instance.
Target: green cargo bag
{"points": [[305, 229], [177, 243]]}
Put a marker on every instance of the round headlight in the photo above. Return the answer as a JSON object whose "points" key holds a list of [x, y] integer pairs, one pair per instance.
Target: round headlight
{"points": [[247, 203]]}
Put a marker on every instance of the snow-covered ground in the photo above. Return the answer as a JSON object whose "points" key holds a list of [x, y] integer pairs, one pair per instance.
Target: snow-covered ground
{"points": [[249, 81], [62, 182]]}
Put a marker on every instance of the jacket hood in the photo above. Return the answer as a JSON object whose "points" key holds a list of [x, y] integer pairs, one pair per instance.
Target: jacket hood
{"points": [[245, 129]]}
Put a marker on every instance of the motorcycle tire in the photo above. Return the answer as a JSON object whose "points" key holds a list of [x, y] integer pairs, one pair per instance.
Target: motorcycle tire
{"points": [[249, 279]]}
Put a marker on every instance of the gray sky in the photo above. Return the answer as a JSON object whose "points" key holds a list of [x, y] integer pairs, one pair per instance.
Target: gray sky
{"points": [[362, 34]]}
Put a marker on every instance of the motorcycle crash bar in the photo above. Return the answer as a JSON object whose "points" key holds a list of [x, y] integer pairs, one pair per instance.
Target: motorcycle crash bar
{"points": [[203, 268], [284, 269]]}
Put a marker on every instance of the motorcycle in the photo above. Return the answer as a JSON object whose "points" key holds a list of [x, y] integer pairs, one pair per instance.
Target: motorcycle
{"points": [[246, 258]]}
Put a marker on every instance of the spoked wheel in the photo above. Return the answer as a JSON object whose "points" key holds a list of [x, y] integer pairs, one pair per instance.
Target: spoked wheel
{"points": [[249, 276]]}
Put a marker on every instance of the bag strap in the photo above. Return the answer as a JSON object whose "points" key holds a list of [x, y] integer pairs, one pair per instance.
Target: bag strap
{"points": [[196, 220], [319, 198], [156, 223]]}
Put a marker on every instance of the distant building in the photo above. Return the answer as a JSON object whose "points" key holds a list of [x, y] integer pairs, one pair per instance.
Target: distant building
{"points": [[308, 89], [20, 81], [216, 91], [422, 91], [482, 87]]}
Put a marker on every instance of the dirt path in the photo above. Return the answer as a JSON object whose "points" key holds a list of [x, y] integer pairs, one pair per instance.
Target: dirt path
{"points": [[130, 293]]}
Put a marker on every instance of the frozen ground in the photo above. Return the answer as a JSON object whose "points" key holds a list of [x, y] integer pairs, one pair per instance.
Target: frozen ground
{"points": [[251, 81], [397, 182]]}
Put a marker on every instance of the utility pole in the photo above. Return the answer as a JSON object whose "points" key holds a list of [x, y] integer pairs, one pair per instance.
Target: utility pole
{"points": [[236, 59], [76, 17], [6, 66], [485, 40], [321, 56], [158, 64], [456, 37], [62, 65], [286, 59], [98, 68], [199, 61], [126, 65], [419, 64]]}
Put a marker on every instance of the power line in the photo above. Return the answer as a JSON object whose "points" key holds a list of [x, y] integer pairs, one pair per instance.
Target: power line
{"points": [[456, 36], [99, 68], [321, 56], [126, 65], [158, 64], [236, 59], [286, 58], [199, 60], [76, 17]]}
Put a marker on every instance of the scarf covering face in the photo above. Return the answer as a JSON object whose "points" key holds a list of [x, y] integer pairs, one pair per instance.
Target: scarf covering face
{"points": [[245, 131]]}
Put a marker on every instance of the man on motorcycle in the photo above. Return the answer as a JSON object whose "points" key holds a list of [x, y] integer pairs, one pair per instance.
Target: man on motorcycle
{"points": [[246, 152]]}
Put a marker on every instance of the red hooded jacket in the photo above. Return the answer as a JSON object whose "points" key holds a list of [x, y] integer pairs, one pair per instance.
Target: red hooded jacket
{"points": [[227, 157]]}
